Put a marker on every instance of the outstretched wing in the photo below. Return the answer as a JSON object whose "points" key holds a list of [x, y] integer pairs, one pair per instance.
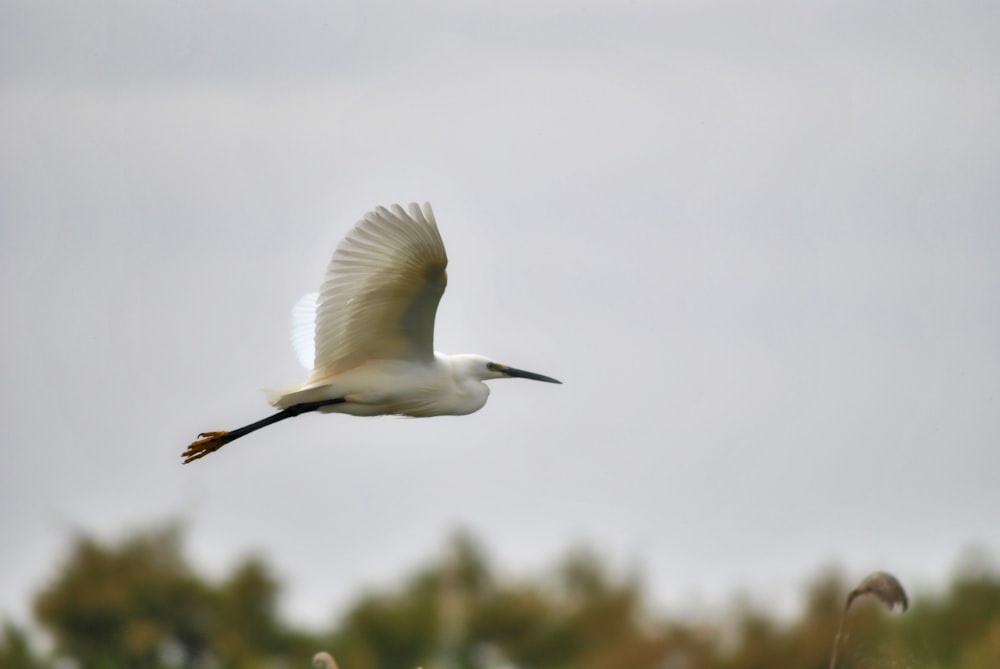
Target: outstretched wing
{"points": [[381, 291]]}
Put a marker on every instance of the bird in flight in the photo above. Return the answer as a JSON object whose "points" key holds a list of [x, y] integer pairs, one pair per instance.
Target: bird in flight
{"points": [[368, 335]]}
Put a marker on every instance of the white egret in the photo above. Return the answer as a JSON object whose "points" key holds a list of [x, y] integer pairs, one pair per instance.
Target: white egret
{"points": [[368, 335]]}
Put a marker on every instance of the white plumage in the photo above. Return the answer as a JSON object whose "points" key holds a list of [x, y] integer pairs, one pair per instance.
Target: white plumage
{"points": [[368, 335], [381, 291]]}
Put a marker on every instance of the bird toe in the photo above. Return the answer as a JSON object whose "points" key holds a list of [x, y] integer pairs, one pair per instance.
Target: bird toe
{"points": [[208, 443]]}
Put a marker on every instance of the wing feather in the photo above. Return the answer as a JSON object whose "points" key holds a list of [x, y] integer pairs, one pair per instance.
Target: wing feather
{"points": [[381, 291], [304, 330]]}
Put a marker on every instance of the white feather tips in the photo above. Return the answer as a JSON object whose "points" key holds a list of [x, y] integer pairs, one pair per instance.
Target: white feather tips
{"points": [[304, 330]]}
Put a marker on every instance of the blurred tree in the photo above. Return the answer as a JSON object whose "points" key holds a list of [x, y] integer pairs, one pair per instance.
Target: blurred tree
{"points": [[139, 604], [16, 651], [985, 652], [424, 620], [942, 630], [610, 628], [809, 642], [246, 628], [458, 613], [126, 606], [761, 643]]}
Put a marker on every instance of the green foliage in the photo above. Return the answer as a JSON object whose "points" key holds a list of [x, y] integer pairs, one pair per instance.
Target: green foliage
{"points": [[138, 603], [118, 606], [459, 614], [960, 628], [16, 651]]}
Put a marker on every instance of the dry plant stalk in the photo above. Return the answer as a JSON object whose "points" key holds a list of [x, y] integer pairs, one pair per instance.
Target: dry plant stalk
{"points": [[324, 660], [883, 586]]}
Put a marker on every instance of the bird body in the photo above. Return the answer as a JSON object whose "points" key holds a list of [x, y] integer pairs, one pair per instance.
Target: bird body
{"points": [[368, 335], [451, 385]]}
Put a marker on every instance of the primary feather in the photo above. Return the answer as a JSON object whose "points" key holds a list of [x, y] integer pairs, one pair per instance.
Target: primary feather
{"points": [[304, 330], [381, 292]]}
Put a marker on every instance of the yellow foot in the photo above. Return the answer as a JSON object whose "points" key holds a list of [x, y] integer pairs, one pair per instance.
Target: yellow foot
{"points": [[209, 443]]}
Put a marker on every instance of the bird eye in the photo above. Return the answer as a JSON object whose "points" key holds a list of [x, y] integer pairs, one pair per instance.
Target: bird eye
{"points": [[492, 366]]}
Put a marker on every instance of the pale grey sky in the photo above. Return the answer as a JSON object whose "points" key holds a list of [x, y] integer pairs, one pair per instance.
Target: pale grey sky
{"points": [[758, 242]]}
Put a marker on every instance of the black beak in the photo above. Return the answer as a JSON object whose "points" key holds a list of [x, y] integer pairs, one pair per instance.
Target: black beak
{"points": [[521, 374]]}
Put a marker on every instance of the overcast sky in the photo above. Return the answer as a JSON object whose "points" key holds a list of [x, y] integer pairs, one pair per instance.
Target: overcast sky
{"points": [[758, 242]]}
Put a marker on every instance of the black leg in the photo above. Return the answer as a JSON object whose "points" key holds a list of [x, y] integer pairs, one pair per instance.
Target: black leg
{"points": [[213, 441]]}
